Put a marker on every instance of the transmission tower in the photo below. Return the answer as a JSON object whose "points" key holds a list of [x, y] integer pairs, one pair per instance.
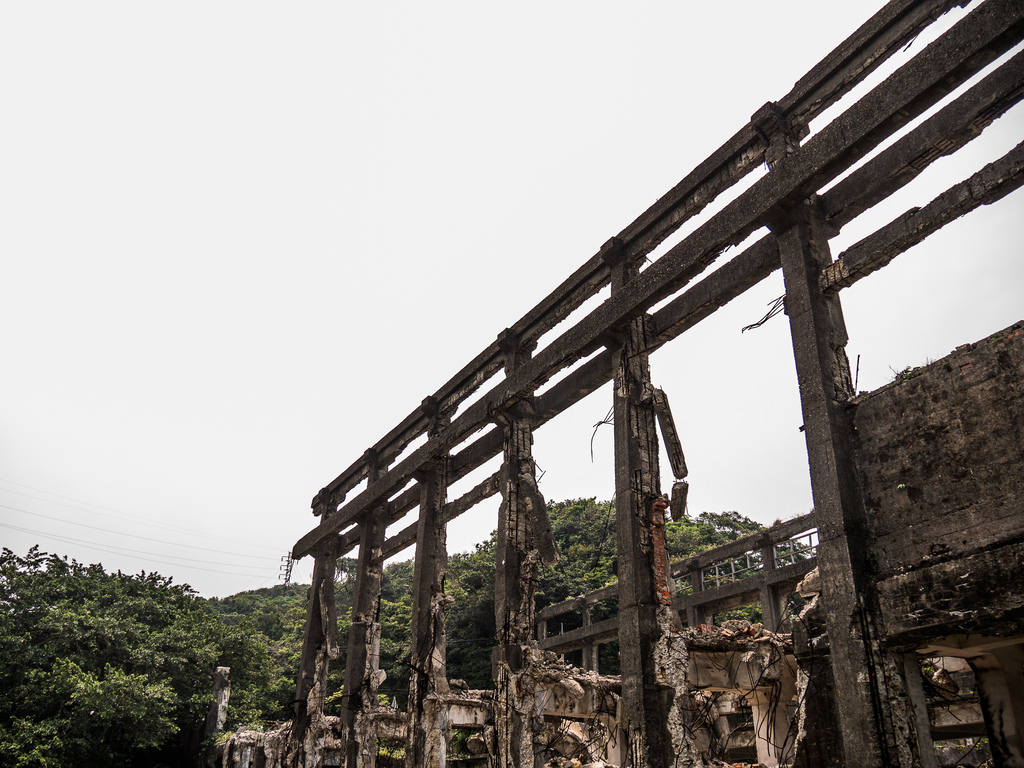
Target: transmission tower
{"points": [[286, 569]]}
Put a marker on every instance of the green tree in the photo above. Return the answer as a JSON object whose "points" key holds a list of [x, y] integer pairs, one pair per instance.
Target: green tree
{"points": [[686, 537], [584, 530], [469, 621], [278, 614], [105, 669]]}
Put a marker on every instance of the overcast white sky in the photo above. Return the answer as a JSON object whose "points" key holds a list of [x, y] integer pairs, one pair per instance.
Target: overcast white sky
{"points": [[242, 240]]}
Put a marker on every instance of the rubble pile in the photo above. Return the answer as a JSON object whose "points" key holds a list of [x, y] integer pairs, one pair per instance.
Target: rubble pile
{"points": [[250, 747], [729, 634]]}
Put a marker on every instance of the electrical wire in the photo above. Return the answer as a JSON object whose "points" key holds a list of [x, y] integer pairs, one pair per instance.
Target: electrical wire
{"points": [[113, 549], [107, 511], [109, 550], [122, 533]]}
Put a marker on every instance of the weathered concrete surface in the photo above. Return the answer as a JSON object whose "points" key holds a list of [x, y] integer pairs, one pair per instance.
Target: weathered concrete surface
{"points": [[940, 452], [976, 594], [524, 537], [651, 651], [363, 675], [272, 749], [319, 648], [429, 730], [746, 660], [217, 714], [868, 722]]}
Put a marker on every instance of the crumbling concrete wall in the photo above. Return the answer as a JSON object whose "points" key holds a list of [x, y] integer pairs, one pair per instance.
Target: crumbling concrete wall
{"points": [[941, 451]]}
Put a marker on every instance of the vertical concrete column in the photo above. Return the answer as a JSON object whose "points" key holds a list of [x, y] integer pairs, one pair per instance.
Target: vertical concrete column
{"points": [[217, 714], [651, 651], [774, 740], [428, 727], [695, 614], [1000, 676], [515, 584], [919, 703], [590, 647], [773, 600], [516, 566], [362, 673], [319, 647], [871, 724], [523, 529], [771, 610]]}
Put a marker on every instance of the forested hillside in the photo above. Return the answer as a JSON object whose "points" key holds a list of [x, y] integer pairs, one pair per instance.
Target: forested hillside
{"points": [[585, 532], [105, 669]]}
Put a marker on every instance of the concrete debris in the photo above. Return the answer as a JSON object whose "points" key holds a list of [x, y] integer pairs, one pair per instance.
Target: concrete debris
{"points": [[734, 633], [477, 745], [562, 762], [247, 748], [945, 684], [811, 585]]}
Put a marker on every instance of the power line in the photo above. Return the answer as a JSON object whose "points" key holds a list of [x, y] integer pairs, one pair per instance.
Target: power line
{"points": [[109, 512], [124, 550], [109, 550], [122, 533]]}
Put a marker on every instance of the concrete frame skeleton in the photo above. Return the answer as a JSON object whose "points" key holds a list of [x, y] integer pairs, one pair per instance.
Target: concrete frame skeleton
{"points": [[786, 199]]}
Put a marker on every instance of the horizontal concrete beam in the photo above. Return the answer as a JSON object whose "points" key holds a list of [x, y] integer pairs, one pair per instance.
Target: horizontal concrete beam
{"points": [[983, 35], [884, 34]]}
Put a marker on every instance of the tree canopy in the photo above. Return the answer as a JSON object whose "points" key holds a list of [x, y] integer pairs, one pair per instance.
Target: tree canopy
{"points": [[106, 669]]}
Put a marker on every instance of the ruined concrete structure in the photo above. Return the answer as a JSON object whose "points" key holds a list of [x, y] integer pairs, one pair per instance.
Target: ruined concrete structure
{"points": [[916, 536]]}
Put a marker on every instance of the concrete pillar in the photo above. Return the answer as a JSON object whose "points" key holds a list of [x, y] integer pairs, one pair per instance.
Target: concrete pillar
{"points": [[652, 655], [773, 608], [590, 648], [695, 614], [773, 602], [428, 727], [217, 714], [515, 583], [1000, 677], [362, 668], [919, 703], [319, 647], [774, 739], [871, 723], [516, 566], [524, 538]]}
